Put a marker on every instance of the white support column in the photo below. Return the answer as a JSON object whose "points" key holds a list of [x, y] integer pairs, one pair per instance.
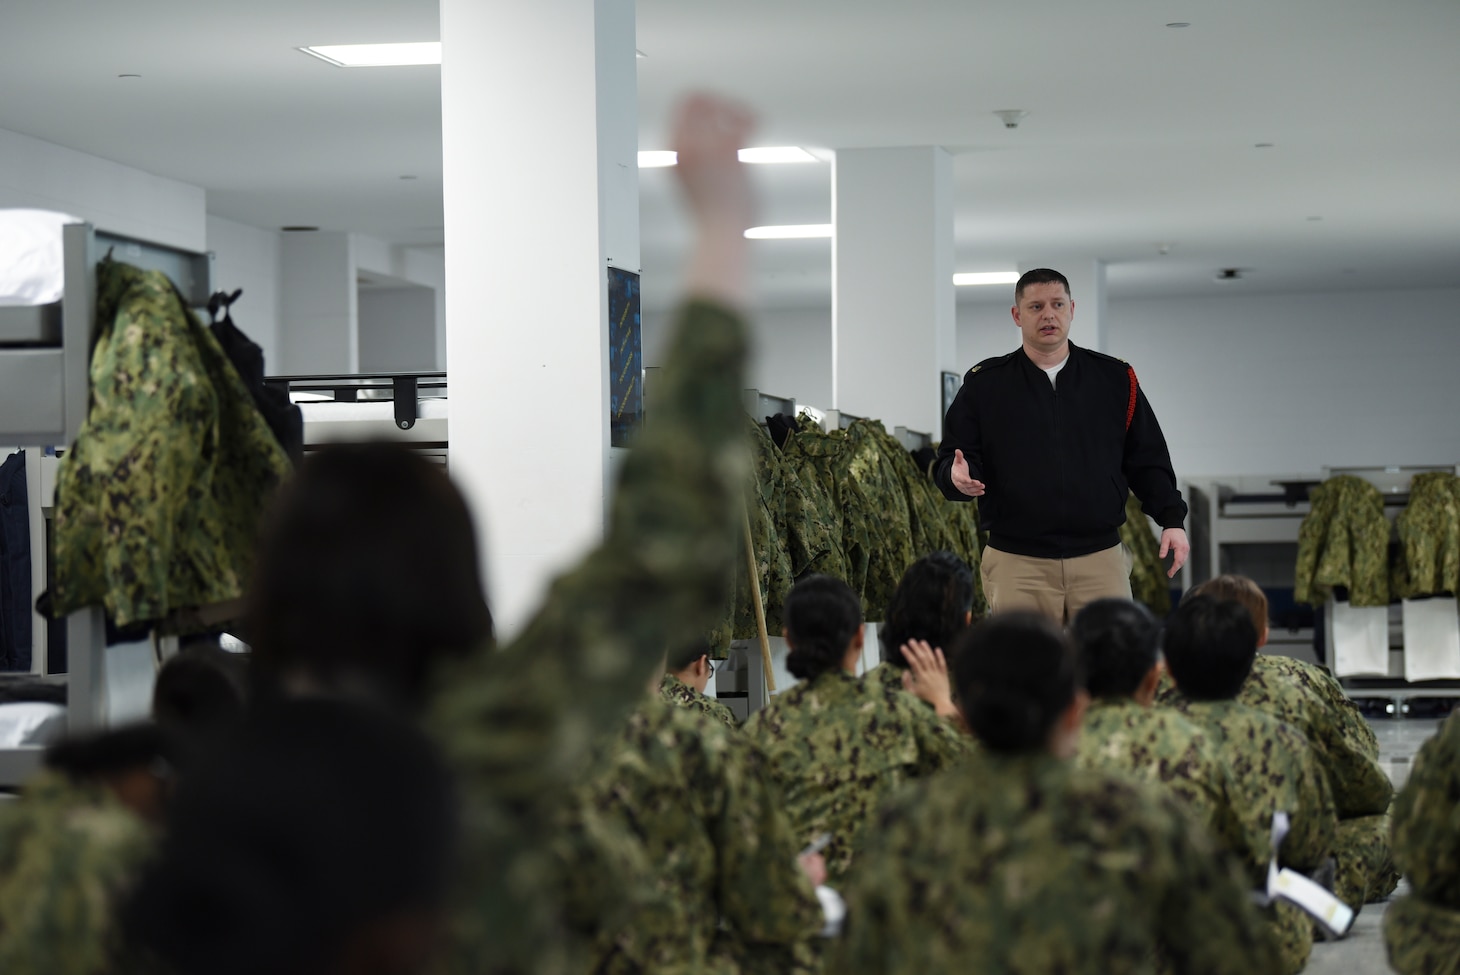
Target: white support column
{"points": [[893, 314], [540, 133], [1087, 291]]}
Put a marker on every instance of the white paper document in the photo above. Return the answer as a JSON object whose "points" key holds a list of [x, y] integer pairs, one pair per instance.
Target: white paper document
{"points": [[1431, 639], [1360, 639]]}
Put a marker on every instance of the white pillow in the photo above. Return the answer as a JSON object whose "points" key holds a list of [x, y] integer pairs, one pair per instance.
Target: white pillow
{"points": [[31, 723], [32, 265]]}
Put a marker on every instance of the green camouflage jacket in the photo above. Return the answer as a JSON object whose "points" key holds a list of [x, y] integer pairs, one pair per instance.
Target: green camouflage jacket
{"points": [[724, 857], [1160, 747], [1025, 866], [677, 692], [1429, 535], [158, 501], [518, 723], [1422, 930], [1148, 582], [838, 746], [1308, 699], [67, 855], [1344, 541], [820, 461]]}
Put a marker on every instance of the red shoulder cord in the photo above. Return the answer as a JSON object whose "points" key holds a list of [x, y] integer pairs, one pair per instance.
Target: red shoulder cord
{"points": [[1130, 408]]}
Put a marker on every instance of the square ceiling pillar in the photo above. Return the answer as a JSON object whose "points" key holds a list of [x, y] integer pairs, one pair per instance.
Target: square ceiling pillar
{"points": [[539, 108], [893, 311], [1087, 293]]}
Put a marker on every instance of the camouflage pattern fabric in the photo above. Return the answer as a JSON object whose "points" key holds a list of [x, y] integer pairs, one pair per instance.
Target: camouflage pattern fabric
{"points": [[677, 692], [68, 853], [838, 746], [158, 501], [1025, 866], [1161, 748], [1148, 582], [888, 517], [1355, 730], [1422, 938], [725, 860], [1366, 872], [1344, 541], [1275, 769], [1429, 536], [819, 459], [517, 724]]}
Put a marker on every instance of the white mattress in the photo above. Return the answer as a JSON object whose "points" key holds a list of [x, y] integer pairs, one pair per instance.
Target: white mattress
{"points": [[32, 261]]}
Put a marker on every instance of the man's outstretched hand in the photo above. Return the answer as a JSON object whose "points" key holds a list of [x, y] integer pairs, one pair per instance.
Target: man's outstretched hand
{"points": [[962, 480]]}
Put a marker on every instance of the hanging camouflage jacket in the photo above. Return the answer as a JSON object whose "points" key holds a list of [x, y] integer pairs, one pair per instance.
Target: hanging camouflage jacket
{"points": [[517, 724], [1344, 541], [820, 460], [158, 501], [1422, 930], [837, 746], [68, 854], [675, 691], [1148, 582], [1021, 864], [1159, 746], [1429, 535], [724, 856]]}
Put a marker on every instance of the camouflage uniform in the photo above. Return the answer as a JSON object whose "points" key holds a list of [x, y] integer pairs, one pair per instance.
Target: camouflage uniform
{"points": [[1307, 699], [820, 460], [1429, 535], [1149, 584], [838, 746], [1026, 866], [697, 798], [677, 692], [158, 501], [67, 855], [1275, 769], [1422, 930], [1162, 748], [1344, 541], [517, 724]]}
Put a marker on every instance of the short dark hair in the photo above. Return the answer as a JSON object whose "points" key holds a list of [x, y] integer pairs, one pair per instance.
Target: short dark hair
{"points": [[821, 615], [1016, 674], [1119, 643], [1210, 645], [367, 574], [200, 692], [1040, 275], [931, 603], [686, 655], [317, 818], [1239, 589]]}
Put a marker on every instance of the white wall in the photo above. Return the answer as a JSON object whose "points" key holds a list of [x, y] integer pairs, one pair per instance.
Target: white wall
{"points": [[397, 329], [1292, 383], [114, 197], [250, 258]]}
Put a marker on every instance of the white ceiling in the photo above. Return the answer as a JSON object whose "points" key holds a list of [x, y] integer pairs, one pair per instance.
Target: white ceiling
{"points": [[1137, 134]]}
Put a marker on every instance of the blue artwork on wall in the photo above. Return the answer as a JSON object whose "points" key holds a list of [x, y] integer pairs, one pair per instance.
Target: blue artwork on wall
{"points": [[625, 357]]}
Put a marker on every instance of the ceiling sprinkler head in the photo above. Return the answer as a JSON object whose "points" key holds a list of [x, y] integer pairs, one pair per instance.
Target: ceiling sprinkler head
{"points": [[1229, 274], [1011, 116]]}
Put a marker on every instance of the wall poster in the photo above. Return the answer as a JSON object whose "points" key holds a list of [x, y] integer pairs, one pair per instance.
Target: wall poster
{"points": [[625, 357]]}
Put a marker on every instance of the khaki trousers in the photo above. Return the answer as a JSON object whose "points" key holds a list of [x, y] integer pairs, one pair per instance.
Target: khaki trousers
{"points": [[1058, 588]]}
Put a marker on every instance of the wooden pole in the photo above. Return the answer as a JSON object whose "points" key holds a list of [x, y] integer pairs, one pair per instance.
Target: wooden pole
{"points": [[754, 577]]}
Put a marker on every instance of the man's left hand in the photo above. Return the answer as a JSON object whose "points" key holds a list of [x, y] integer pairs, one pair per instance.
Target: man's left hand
{"points": [[1173, 540]]}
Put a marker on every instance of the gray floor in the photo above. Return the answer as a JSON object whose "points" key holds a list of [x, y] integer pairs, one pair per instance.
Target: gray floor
{"points": [[1362, 952]]}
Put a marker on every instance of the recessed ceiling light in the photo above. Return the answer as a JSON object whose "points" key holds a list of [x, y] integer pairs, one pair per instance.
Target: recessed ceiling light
{"points": [[790, 231], [1263, 145], [973, 278], [1179, 23], [762, 155], [377, 55]]}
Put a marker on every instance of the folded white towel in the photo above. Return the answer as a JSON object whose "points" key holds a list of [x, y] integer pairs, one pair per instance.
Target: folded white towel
{"points": [[1360, 639], [1431, 639]]}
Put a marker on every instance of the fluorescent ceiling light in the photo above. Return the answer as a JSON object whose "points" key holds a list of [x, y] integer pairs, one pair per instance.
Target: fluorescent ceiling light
{"points": [[791, 231], [654, 158], [985, 277], [377, 55]]}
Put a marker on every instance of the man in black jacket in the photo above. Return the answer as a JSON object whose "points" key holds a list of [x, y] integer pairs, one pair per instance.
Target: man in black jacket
{"points": [[1051, 438]]}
